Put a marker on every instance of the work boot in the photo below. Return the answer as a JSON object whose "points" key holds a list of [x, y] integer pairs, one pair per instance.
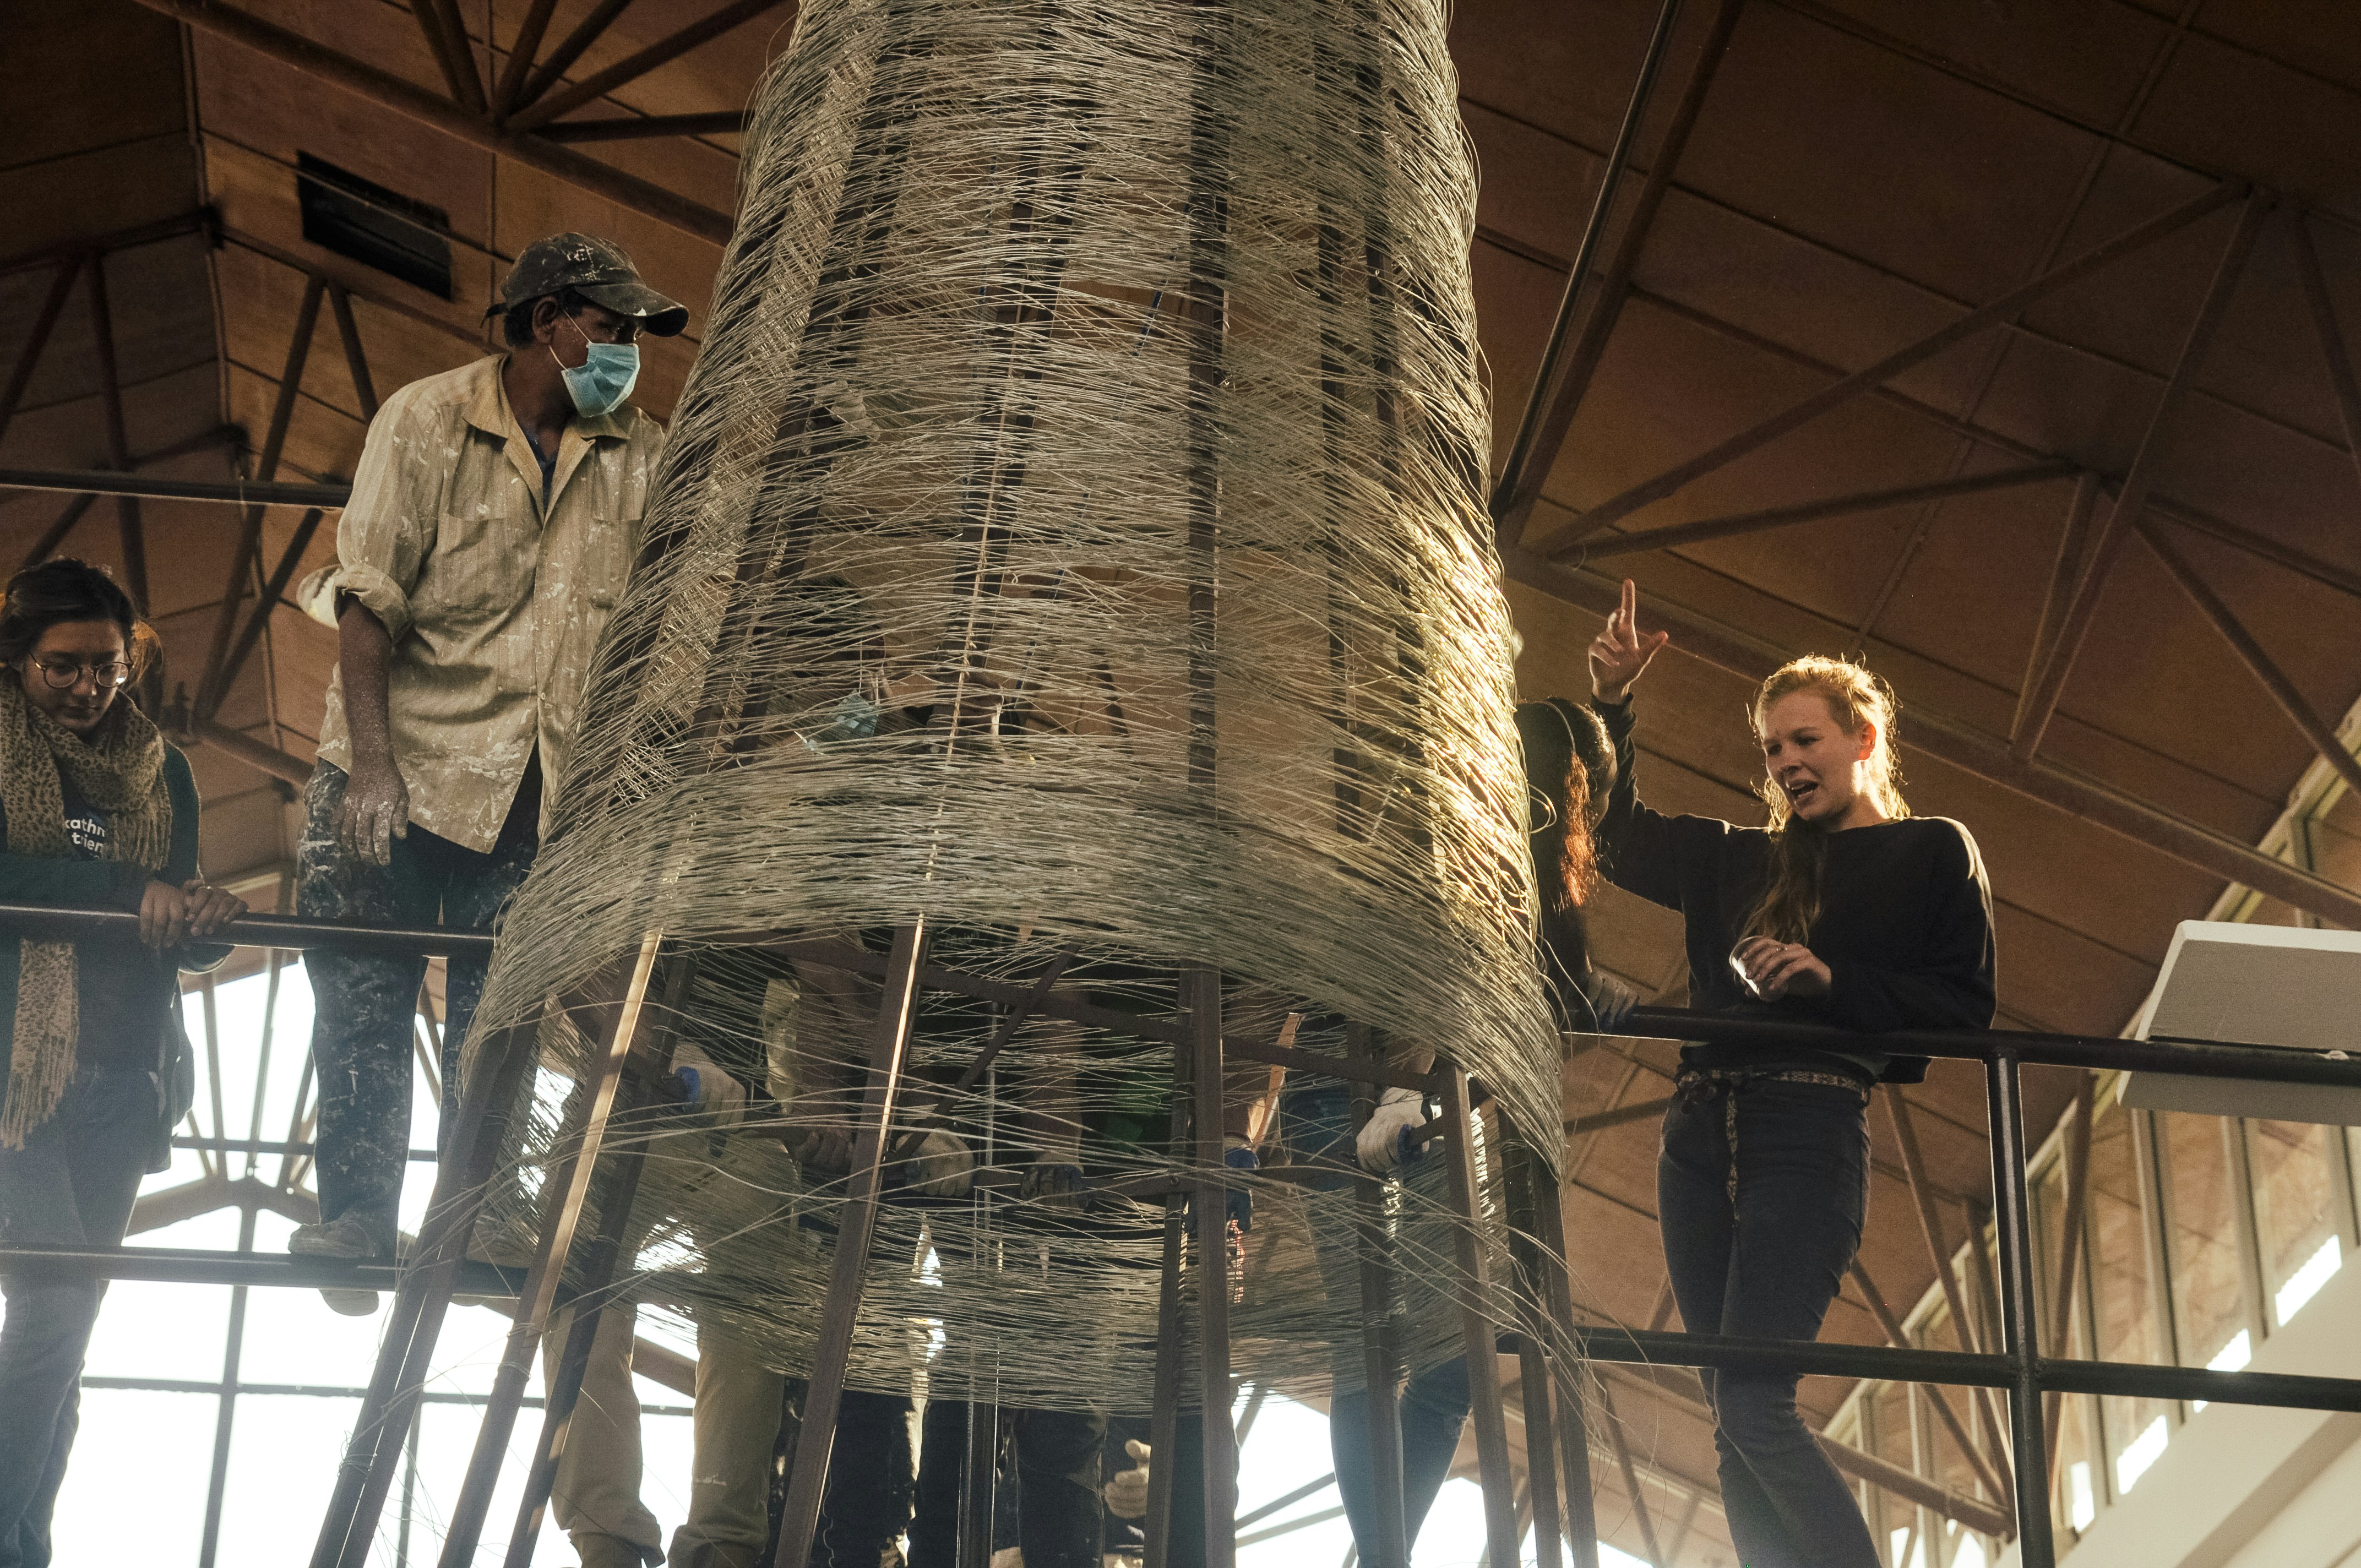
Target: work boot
{"points": [[347, 1236]]}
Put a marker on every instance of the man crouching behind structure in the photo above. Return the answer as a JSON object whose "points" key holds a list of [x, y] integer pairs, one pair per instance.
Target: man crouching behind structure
{"points": [[494, 519]]}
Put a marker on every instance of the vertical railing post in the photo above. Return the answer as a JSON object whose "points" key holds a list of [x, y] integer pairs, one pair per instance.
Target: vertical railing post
{"points": [[2019, 1287], [1202, 988], [897, 1010]]}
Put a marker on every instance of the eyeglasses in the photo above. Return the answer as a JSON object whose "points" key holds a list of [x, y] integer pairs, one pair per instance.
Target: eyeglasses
{"points": [[64, 674]]}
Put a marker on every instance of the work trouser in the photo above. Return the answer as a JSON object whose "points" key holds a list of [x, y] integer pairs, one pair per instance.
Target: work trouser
{"points": [[1058, 1512], [597, 1490], [741, 1405], [364, 1005], [1761, 1186]]}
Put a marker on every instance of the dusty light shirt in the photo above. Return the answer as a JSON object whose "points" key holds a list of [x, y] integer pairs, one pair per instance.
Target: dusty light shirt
{"points": [[493, 599]]}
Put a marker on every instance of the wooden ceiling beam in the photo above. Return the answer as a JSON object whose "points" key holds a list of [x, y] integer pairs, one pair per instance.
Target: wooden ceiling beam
{"points": [[404, 97], [1512, 473], [1770, 518], [199, 221], [132, 526], [549, 72], [122, 484], [2333, 349], [272, 592], [521, 49], [1971, 750], [2004, 308], [1512, 510], [2325, 572], [2040, 704], [44, 323], [447, 41], [2064, 573], [640, 127], [212, 684], [289, 260], [632, 68], [2251, 653]]}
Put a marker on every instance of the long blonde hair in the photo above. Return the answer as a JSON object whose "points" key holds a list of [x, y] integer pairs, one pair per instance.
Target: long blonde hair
{"points": [[1856, 696]]}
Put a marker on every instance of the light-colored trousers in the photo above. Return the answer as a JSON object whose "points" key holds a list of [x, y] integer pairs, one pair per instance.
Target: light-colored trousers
{"points": [[596, 1491], [736, 1426]]}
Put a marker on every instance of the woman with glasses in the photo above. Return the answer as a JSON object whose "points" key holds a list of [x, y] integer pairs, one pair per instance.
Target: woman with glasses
{"points": [[96, 811]]}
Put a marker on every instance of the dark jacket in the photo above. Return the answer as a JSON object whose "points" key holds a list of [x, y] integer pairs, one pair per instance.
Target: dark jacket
{"points": [[1904, 924], [117, 884]]}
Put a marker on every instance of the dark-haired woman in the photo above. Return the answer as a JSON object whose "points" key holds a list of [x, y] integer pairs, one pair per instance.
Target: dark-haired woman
{"points": [[1569, 767], [1845, 911], [96, 810]]}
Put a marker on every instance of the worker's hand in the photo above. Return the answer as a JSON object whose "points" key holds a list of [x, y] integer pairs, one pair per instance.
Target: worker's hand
{"points": [[376, 812], [1773, 969], [164, 915], [1619, 654], [827, 1150], [1610, 1000], [1239, 1155], [210, 908], [1126, 1495], [941, 1165], [703, 1089], [1053, 1181], [1384, 1142]]}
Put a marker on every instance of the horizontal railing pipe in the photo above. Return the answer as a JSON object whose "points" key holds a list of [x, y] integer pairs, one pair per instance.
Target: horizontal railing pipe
{"points": [[190, 1266], [2138, 1380], [64, 924], [2095, 1052]]}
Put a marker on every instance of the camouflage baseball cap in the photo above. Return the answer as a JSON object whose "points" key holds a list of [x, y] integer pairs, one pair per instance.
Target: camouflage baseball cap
{"points": [[599, 271]]}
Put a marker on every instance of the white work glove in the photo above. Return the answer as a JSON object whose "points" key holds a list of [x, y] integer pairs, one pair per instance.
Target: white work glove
{"points": [[1610, 1002], [706, 1089], [1055, 1181], [1126, 1495], [1381, 1143], [940, 1167]]}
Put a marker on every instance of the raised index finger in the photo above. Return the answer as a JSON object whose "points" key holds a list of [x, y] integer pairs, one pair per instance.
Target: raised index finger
{"points": [[1630, 610]]}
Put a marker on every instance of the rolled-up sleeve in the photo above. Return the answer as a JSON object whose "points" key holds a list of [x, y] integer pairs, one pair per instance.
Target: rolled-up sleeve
{"points": [[388, 525]]}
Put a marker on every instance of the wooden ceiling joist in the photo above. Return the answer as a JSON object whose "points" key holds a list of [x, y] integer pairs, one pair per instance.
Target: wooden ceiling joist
{"points": [[2006, 308], [406, 98]]}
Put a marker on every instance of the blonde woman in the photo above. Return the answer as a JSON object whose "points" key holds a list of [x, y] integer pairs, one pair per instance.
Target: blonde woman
{"points": [[96, 811], [1844, 910]]}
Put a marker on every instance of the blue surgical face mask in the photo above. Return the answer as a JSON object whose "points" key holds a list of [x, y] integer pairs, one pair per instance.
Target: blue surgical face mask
{"points": [[600, 383]]}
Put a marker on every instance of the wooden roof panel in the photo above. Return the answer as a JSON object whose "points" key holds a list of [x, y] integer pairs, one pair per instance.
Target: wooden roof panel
{"points": [[2085, 60], [1808, 126], [2279, 127]]}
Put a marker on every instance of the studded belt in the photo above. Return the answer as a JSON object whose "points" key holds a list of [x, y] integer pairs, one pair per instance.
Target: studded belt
{"points": [[1696, 1086]]}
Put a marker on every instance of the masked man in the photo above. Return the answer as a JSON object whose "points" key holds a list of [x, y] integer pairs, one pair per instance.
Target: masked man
{"points": [[493, 521]]}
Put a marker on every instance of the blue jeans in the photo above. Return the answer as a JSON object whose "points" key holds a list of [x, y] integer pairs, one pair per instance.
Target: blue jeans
{"points": [[363, 1003], [1433, 1409], [72, 1182], [1765, 1263]]}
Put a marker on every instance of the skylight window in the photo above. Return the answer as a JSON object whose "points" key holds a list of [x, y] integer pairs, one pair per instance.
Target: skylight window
{"points": [[2305, 1282], [2138, 1455]]}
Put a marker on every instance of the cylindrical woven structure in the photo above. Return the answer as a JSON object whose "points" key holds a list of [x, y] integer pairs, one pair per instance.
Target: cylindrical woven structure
{"points": [[1071, 535]]}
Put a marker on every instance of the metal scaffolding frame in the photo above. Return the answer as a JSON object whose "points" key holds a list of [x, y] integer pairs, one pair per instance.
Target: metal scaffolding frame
{"points": [[2017, 1367]]}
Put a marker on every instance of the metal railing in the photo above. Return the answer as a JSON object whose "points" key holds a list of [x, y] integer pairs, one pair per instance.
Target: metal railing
{"points": [[2020, 1368]]}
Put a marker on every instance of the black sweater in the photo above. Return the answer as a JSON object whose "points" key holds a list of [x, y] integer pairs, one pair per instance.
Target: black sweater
{"points": [[1904, 924]]}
